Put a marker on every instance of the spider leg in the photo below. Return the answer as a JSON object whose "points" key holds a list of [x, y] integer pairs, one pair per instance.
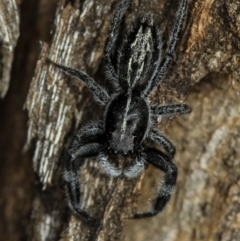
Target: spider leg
{"points": [[99, 93], [174, 36], [86, 143], [170, 109], [136, 169], [160, 139], [161, 161], [112, 37]]}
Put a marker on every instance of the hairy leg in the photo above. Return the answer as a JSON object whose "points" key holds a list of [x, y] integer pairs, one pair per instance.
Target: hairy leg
{"points": [[112, 37], [170, 109], [99, 93], [86, 143], [160, 139], [162, 162], [174, 36]]}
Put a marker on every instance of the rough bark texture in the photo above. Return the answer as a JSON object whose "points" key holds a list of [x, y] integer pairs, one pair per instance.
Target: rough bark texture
{"points": [[205, 74], [9, 32]]}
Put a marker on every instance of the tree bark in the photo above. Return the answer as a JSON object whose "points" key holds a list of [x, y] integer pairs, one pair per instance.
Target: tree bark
{"points": [[204, 74], [9, 32]]}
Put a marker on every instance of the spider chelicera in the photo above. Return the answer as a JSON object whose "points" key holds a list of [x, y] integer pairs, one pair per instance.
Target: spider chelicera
{"points": [[129, 115]]}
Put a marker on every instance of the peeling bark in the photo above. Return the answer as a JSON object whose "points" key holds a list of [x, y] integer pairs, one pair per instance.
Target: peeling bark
{"points": [[205, 74], [9, 32]]}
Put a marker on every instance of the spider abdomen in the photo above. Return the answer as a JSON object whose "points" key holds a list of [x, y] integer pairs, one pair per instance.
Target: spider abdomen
{"points": [[126, 122], [140, 54]]}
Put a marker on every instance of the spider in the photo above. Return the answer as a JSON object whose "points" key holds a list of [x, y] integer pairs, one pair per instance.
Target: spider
{"points": [[129, 116]]}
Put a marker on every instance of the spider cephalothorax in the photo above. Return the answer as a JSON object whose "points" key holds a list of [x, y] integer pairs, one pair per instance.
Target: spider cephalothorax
{"points": [[128, 119]]}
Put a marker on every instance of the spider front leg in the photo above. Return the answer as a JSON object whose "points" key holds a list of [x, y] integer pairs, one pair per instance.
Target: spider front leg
{"points": [[166, 110], [159, 138], [161, 161], [86, 143]]}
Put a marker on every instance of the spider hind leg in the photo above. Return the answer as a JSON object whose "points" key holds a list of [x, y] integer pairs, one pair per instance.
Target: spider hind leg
{"points": [[111, 40], [170, 52]]}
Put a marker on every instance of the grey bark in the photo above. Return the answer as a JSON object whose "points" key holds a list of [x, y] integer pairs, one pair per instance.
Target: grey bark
{"points": [[9, 32], [204, 74]]}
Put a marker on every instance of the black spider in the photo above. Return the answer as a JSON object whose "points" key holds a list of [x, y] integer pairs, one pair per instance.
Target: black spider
{"points": [[128, 116]]}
